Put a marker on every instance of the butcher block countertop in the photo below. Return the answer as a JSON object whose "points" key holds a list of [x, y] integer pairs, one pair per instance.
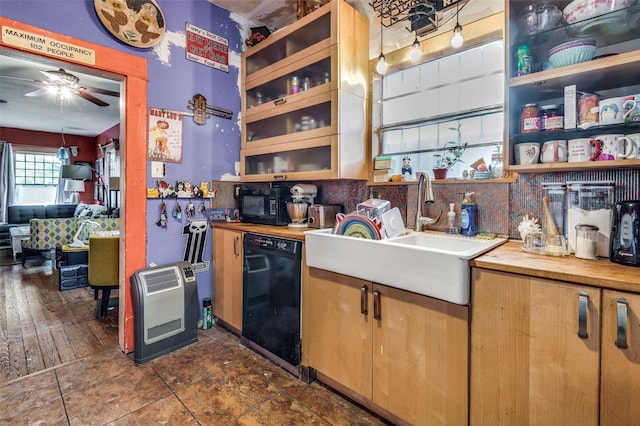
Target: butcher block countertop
{"points": [[510, 257], [276, 231]]}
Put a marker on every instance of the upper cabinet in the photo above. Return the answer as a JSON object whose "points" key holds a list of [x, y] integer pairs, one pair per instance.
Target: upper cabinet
{"points": [[534, 81], [304, 92]]}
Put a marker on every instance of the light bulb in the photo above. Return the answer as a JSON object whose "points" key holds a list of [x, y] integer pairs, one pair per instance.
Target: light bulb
{"points": [[381, 66], [415, 52], [457, 39]]}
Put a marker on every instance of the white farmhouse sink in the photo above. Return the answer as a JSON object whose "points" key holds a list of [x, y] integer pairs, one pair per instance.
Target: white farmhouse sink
{"points": [[430, 263]]}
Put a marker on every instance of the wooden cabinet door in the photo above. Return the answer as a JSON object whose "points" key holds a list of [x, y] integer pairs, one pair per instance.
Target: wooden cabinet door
{"points": [[338, 341], [227, 277], [528, 364], [620, 380], [420, 358]]}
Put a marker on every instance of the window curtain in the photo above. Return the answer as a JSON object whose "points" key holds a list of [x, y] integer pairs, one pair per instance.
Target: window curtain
{"points": [[61, 195], [7, 179]]}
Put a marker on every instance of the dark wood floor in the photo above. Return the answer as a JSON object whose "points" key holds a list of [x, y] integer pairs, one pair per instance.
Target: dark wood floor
{"points": [[41, 327]]}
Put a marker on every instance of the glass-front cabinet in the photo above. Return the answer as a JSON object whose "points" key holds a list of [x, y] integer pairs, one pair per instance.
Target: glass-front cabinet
{"points": [[304, 99], [573, 85]]}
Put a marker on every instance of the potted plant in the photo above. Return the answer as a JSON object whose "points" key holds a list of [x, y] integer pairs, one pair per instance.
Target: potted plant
{"points": [[452, 154]]}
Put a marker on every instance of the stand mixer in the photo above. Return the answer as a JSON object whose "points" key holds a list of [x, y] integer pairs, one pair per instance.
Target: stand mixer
{"points": [[302, 195]]}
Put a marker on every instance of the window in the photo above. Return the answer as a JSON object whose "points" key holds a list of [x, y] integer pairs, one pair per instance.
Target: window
{"points": [[37, 176], [423, 106]]}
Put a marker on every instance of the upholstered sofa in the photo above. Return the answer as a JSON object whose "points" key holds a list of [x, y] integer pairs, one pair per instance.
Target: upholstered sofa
{"points": [[47, 234], [19, 215]]}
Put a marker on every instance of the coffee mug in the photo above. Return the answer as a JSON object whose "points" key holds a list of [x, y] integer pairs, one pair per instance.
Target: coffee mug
{"points": [[631, 107], [630, 146], [611, 111], [554, 151], [611, 146], [583, 149], [526, 153]]}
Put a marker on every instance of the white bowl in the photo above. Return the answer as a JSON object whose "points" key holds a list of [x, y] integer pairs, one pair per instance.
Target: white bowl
{"points": [[579, 10], [572, 52]]}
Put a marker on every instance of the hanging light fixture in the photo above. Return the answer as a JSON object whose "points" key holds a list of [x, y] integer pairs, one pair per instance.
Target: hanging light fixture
{"points": [[415, 51], [457, 39], [381, 66], [62, 152]]}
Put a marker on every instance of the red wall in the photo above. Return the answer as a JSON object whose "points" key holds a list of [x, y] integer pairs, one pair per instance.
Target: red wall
{"points": [[49, 142]]}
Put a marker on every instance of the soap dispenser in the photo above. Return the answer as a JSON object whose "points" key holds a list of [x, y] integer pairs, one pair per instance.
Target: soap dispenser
{"points": [[468, 216], [451, 219]]}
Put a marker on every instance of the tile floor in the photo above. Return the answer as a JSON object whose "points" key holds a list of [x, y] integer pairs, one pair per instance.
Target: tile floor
{"points": [[215, 381]]}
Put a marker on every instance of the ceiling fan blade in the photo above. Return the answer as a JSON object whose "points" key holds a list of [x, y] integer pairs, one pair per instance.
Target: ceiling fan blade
{"points": [[100, 91], [91, 98], [41, 91], [23, 79]]}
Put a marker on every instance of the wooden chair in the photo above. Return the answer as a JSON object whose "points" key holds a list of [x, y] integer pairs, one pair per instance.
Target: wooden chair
{"points": [[104, 267]]}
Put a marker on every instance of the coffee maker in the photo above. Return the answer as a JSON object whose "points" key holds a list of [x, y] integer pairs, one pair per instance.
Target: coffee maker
{"points": [[302, 195], [625, 233]]}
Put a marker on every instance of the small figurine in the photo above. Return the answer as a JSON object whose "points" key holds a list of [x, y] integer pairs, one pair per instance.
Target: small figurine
{"points": [[202, 208], [177, 211], [163, 222], [191, 210], [407, 171]]}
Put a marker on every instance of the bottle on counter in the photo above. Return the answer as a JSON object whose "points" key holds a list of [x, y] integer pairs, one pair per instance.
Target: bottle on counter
{"points": [[451, 220], [468, 216]]}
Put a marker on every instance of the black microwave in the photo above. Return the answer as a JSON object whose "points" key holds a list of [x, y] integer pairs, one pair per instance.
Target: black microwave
{"points": [[267, 206]]}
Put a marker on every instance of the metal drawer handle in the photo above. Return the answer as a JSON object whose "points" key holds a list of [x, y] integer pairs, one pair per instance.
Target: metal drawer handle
{"points": [[278, 177], [363, 300], [621, 326], [377, 314], [236, 240], [583, 305], [280, 101]]}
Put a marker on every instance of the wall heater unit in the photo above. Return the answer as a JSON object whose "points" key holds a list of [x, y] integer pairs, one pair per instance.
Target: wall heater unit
{"points": [[165, 304]]}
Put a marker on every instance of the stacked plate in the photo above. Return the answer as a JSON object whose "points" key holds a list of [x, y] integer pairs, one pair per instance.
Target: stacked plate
{"points": [[359, 226]]}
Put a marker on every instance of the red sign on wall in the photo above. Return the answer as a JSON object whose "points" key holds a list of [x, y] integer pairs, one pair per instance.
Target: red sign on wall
{"points": [[207, 48]]}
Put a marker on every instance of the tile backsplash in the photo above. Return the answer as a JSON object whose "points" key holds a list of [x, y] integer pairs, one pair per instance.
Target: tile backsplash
{"points": [[501, 205]]}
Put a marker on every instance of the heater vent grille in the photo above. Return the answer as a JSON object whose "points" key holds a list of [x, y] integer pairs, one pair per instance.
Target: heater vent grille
{"points": [[165, 329], [163, 280]]}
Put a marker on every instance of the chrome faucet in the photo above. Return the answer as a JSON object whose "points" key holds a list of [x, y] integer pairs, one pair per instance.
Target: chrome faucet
{"points": [[425, 192]]}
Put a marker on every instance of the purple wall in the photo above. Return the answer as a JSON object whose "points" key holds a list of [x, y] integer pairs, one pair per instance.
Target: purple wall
{"points": [[209, 150]]}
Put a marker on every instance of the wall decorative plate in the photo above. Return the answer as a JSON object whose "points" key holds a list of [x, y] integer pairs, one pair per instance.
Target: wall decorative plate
{"points": [[139, 23]]}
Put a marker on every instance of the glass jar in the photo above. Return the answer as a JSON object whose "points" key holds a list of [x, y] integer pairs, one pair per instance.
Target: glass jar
{"points": [[295, 84], [586, 241], [496, 163], [530, 119], [551, 118]]}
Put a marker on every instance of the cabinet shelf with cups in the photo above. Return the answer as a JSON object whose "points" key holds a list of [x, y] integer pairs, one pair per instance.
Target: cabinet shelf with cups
{"points": [[612, 74], [304, 92]]}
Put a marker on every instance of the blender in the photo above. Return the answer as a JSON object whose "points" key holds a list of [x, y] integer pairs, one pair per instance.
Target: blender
{"points": [[302, 195]]}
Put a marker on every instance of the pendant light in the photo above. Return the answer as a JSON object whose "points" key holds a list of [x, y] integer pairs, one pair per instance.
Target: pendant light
{"points": [[381, 66], [457, 39], [415, 51], [62, 152]]}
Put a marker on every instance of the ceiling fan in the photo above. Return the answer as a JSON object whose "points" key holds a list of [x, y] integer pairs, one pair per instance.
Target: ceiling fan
{"points": [[63, 84]]}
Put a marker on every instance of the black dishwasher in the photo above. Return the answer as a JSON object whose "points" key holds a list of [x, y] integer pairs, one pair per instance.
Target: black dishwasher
{"points": [[271, 295]]}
